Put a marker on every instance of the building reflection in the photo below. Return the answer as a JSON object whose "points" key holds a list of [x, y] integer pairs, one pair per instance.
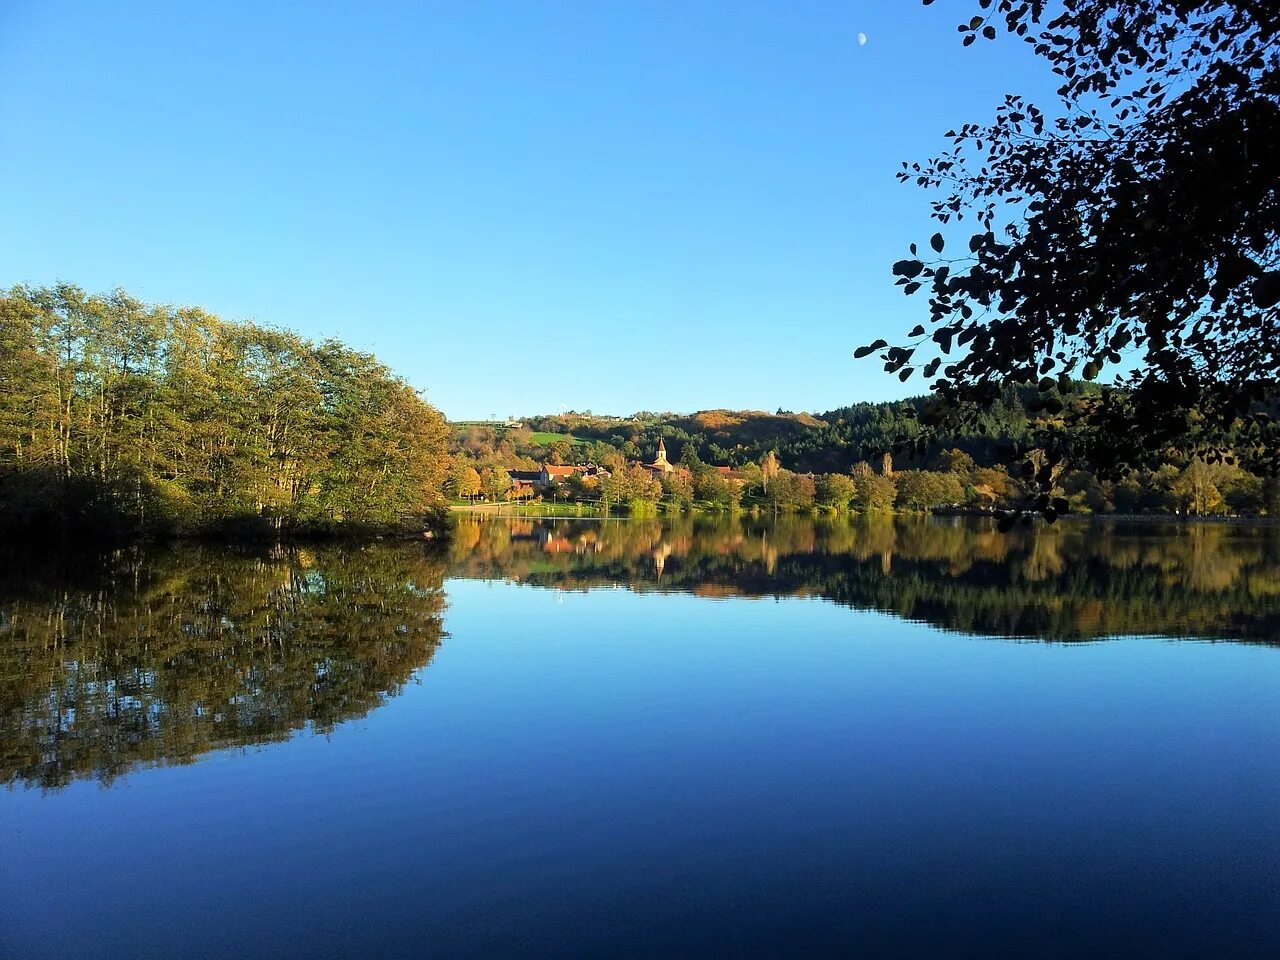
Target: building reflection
{"points": [[1072, 581]]}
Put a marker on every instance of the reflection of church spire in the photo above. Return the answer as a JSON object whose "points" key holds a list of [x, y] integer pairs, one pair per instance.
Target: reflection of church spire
{"points": [[660, 554]]}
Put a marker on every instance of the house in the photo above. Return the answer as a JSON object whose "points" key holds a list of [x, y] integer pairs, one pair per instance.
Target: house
{"points": [[551, 473], [521, 490]]}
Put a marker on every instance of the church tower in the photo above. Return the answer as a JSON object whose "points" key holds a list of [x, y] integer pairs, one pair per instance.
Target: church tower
{"points": [[660, 464]]}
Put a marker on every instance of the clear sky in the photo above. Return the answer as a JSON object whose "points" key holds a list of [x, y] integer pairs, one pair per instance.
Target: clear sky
{"points": [[519, 206]]}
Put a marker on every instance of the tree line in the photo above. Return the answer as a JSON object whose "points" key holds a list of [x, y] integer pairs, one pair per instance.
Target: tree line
{"points": [[841, 461], [122, 418]]}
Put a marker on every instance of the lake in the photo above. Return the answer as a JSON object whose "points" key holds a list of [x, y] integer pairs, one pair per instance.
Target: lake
{"points": [[720, 737]]}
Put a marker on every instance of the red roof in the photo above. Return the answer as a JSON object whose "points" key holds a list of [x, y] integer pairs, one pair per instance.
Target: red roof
{"points": [[555, 471]]}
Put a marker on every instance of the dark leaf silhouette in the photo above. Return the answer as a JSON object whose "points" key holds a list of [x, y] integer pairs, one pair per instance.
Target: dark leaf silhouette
{"points": [[1130, 235]]}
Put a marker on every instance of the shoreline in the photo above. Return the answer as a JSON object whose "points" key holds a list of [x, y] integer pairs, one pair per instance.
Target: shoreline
{"points": [[584, 511]]}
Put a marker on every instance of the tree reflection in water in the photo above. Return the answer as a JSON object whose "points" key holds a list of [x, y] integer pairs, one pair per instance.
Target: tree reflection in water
{"points": [[1071, 581], [158, 658]]}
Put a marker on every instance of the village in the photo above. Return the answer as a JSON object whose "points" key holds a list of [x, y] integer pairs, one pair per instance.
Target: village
{"points": [[526, 484]]}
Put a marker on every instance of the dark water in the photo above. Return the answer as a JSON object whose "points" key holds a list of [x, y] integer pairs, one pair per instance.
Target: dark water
{"points": [[637, 739]]}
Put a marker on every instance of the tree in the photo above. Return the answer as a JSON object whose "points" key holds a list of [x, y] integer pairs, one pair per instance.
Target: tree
{"points": [[792, 491], [1271, 496], [1139, 224], [1196, 490], [769, 467], [643, 489], [1084, 491], [751, 478], [495, 482], [956, 461], [559, 451], [677, 490], [925, 489], [836, 490], [711, 488], [465, 479], [872, 491], [1242, 492], [992, 486], [119, 418], [689, 458]]}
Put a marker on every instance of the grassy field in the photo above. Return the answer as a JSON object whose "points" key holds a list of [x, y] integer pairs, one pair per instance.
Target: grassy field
{"points": [[542, 438]]}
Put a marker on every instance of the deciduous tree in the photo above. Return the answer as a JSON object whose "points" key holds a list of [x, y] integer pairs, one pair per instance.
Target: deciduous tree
{"points": [[1135, 227]]}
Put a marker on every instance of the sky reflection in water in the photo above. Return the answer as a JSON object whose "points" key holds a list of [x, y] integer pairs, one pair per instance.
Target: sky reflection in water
{"points": [[521, 771]]}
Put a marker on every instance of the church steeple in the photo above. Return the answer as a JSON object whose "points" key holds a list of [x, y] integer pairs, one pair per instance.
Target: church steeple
{"points": [[660, 463]]}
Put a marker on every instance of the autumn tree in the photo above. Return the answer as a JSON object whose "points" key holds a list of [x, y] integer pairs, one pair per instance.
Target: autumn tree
{"points": [[495, 482], [769, 467], [465, 480], [956, 461], [559, 451], [1196, 489], [872, 491]]}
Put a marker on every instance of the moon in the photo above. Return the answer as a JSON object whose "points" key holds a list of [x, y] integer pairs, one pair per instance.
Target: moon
{"points": [[862, 39]]}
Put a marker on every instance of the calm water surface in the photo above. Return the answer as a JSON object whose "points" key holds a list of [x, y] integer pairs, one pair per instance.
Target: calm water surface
{"points": [[586, 738]]}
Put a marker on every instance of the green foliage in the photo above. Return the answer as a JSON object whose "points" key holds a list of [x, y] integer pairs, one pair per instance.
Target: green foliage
{"points": [[677, 490], [717, 491], [872, 491], [793, 492], [837, 491], [633, 487], [119, 418], [926, 489]]}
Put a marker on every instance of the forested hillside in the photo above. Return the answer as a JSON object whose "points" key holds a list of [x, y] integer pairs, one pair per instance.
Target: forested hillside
{"points": [[837, 460], [831, 441], [124, 418]]}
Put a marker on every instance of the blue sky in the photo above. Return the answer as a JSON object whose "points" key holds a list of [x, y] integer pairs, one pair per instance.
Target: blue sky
{"points": [[518, 206]]}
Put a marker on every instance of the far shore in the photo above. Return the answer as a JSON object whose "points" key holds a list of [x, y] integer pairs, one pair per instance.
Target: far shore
{"points": [[588, 511]]}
